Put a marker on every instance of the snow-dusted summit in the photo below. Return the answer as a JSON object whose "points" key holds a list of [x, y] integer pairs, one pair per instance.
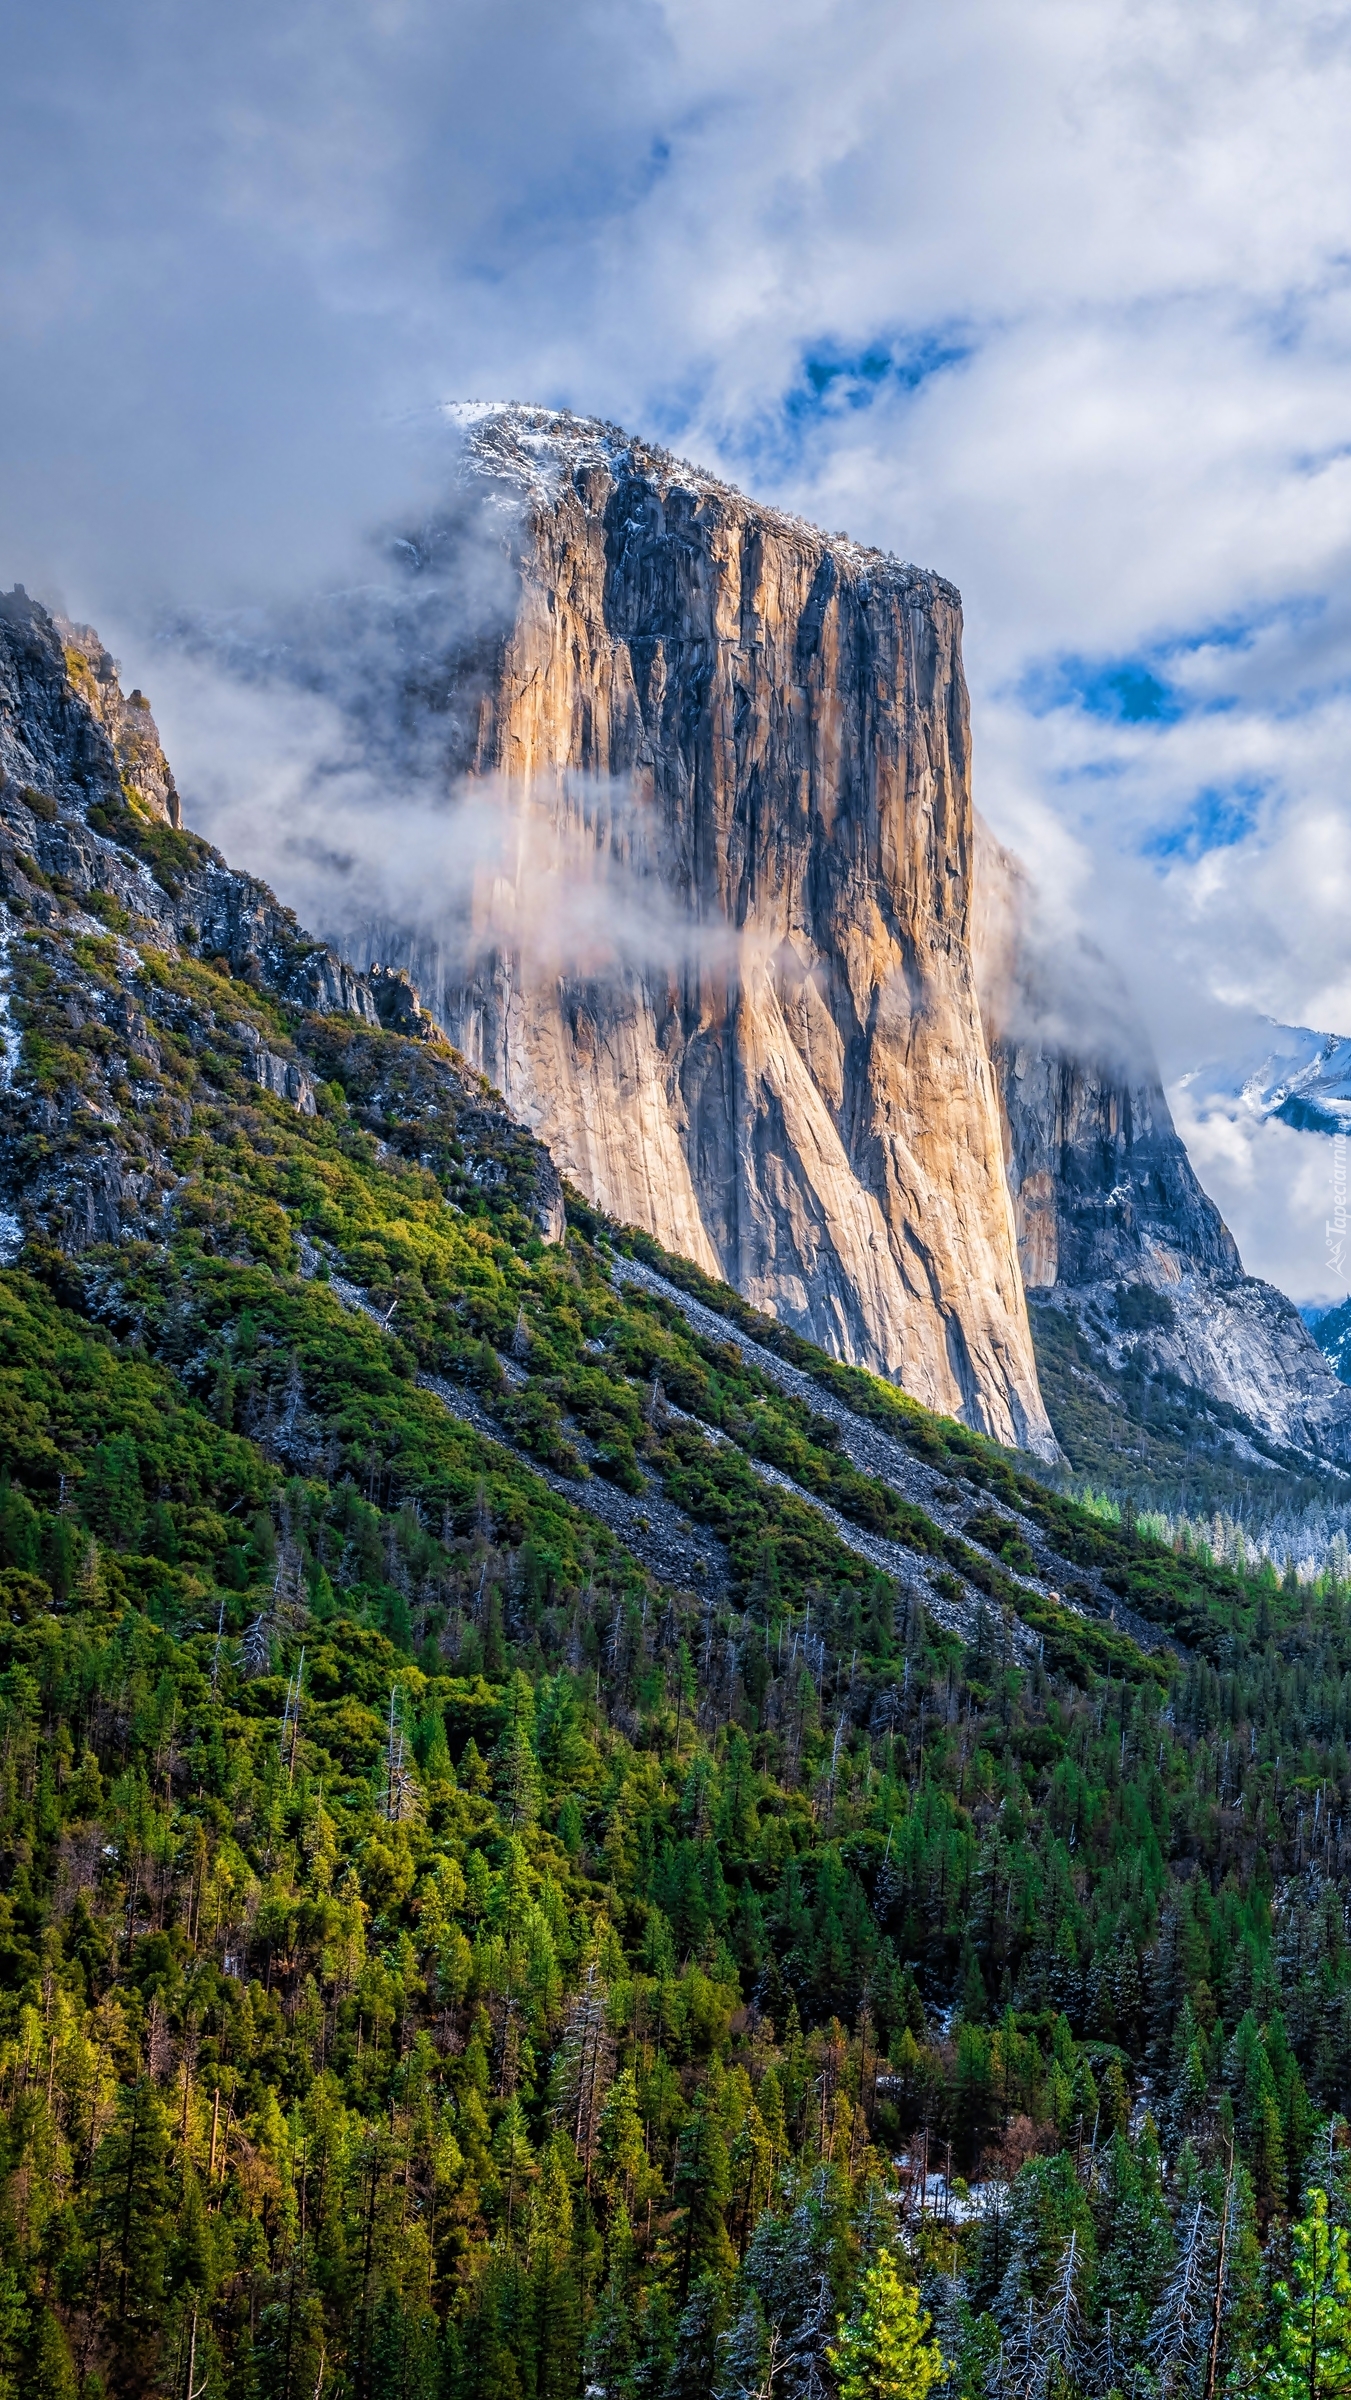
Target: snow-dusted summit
{"points": [[1290, 1072]]}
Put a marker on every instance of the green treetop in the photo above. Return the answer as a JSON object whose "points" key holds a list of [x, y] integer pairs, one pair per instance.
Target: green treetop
{"points": [[883, 2352], [1311, 2357]]}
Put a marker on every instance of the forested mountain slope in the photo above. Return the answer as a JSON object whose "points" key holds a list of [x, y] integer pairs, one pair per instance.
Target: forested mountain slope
{"points": [[533, 1804]]}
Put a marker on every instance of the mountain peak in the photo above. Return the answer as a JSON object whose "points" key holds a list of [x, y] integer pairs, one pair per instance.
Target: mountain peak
{"points": [[539, 450]]}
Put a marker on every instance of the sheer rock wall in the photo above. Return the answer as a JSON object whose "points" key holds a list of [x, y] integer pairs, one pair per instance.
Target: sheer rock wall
{"points": [[769, 729]]}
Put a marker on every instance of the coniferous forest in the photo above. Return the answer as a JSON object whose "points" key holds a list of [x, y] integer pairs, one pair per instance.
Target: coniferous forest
{"points": [[527, 1869]]}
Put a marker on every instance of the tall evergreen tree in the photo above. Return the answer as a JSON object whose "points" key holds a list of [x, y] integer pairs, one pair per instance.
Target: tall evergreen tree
{"points": [[883, 2352], [1310, 2358]]}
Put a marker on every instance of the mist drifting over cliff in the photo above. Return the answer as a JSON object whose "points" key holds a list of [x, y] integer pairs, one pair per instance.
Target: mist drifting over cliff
{"points": [[679, 844], [329, 737]]}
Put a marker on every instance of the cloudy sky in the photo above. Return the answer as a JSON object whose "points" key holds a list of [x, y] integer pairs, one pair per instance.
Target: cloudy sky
{"points": [[1053, 296]]}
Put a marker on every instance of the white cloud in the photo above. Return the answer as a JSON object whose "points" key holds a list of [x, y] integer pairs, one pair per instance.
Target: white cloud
{"points": [[243, 251], [1280, 1181]]}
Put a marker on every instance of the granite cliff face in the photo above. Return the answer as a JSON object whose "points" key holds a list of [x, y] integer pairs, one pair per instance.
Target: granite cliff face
{"points": [[749, 743], [1112, 1222]]}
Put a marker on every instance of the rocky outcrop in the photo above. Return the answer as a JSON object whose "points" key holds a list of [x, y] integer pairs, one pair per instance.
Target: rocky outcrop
{"points": [[283, 1076], [73, 734], [1112, 1222], [1102, 1187], [714, 941], [68, 802], [398, 1004], [143, 771]]}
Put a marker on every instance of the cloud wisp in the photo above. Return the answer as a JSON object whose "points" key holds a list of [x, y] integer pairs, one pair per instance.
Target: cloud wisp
{"points": [[381, 847]]}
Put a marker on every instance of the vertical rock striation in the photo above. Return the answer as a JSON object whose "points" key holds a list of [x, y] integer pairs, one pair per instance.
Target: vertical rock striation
{"points": [[767, 1047]]}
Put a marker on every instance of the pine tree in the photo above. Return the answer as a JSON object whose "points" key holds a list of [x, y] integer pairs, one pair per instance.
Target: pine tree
{"points": [[611, 2345], [51, 2374], [1114, 2100], [290, 2353], [14, 2323], [111, 1499], [555, 2301], [1178, 2338], [585, 2062], [1061, 2337], [654, 2344], [973, 2091], [1190, 2081], [1311, 2356], [883, 2352], [516, 1776], [703, 2186], [1128, 1994], [793, 2265], [620, 2149], [1332, 2169], [747, 2356], [1161, 1986], [969, 2343], [404, 2360], [513, 2158], [1137, 2236], [1239, 2287], [694, 2367], [134, 2221]]}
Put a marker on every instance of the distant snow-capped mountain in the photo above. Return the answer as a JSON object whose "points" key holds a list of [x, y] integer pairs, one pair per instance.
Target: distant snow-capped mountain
{"points": [[1290, 1072]]}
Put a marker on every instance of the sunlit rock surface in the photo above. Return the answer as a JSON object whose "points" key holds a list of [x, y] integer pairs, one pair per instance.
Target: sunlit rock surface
{"points": [[769, 1052]]}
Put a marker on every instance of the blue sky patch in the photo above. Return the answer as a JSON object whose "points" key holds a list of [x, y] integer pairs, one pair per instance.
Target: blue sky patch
{"points": [[834, 378], [1125, 691], [1217, 818], [1151, 686]]}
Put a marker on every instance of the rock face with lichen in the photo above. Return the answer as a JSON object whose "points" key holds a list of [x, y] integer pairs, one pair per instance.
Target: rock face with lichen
{"points": [[749, 742]]}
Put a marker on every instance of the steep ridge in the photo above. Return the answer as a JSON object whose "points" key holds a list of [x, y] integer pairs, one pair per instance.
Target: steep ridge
{"points": [[949, 1503], [1331, 1329], [76, 831], [1114, 1230], [713, 773]]}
